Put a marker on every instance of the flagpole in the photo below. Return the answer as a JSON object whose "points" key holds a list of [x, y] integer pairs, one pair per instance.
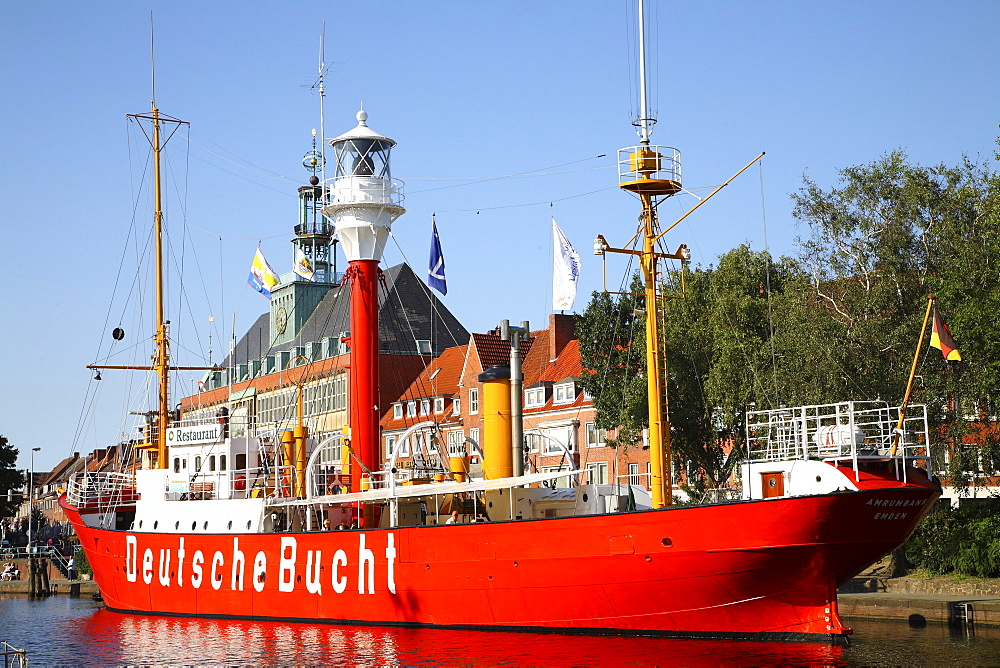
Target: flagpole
{"points": [[913, 375]]}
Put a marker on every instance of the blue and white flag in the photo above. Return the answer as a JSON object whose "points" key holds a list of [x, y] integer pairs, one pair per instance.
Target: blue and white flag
{"points": [[262, 278], [435, 270], [565, 270]]}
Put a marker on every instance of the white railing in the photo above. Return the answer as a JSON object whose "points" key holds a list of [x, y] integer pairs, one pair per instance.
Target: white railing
{"points": [[101, 489], [846, 430]]}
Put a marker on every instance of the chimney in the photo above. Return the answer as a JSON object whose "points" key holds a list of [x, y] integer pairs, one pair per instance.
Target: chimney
{"points": [[562, 328]]}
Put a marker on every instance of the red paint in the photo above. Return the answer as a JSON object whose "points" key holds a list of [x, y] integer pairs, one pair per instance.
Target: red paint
{"points": [[744, 568], [364, 391]]}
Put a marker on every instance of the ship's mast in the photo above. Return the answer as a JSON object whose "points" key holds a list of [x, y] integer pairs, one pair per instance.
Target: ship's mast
{"points": [[653, 173], [161, 353]]}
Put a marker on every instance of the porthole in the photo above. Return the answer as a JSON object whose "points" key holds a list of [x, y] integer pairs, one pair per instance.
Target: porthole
{"points": [[177, 525], [648, 558], [666, 542], [205, 525], [515, 564], [491, 504], [248, 525], [585, 498], [140, 524], [156, 524], [230, 525], [819, 478], [194, 525]]}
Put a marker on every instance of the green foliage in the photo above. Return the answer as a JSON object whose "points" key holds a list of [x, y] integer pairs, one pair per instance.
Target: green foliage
{"points": [[10, 478], [81, 563], [613, 348], [963, 540], [840, 321]]}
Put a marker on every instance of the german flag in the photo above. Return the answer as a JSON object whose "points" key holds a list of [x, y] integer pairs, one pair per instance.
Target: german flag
{"points": [[941, 339]]}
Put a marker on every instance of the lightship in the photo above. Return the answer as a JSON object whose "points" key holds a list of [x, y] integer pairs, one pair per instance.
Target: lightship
{"points": [[827, 490]]}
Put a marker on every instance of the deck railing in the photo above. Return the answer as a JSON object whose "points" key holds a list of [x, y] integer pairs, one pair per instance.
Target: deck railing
{"points": [[846, 430]]}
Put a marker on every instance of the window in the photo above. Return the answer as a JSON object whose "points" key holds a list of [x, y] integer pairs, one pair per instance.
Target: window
{"points": [[390, 443], [241, 461], [425, 406], [456, 406], [473, 401], [556, 437], [211, 463], [411, 409], [531, 442], [177, 464], [597, 474], [595, 437], [474, 437], [558, 482], [633, 474], [565, 393], [534, 398], [397, 411], [222, 462], [456, 443], [439, 405], [197, 464]]}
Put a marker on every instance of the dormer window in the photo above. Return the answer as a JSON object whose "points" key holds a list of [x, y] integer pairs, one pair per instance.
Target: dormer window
{"points": [[534, 397], [439, 405], [397, 411], [565, 393], [425, 406], [411, 409]]}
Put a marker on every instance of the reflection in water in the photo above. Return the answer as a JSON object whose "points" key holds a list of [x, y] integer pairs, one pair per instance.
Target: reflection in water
{"points": [[77, 631], [143, 640]]}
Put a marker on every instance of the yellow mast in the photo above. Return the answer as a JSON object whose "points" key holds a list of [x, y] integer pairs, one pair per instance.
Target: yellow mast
{"points": [[161, 354], [654, 173]]}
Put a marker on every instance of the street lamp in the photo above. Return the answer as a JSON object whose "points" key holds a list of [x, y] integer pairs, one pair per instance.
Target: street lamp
{"points": [[31, 499]]}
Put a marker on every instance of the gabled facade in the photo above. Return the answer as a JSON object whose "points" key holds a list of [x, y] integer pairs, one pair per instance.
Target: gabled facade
{"points": [[559, 418]]}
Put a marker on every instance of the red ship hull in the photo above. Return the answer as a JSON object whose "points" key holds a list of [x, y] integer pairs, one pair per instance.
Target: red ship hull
{"points": [[765, 568]]}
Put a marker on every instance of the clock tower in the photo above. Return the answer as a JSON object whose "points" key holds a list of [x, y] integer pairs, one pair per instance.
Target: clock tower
{"points": [[314, 261]]}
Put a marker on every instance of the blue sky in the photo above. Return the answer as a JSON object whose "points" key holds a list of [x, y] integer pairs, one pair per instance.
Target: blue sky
{"points": [[469, 91]]}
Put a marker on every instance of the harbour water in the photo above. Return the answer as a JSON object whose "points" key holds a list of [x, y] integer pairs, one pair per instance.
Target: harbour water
{"points": [[67, 631]]}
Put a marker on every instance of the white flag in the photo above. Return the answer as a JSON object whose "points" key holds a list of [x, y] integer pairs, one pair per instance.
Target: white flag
{"points": [[303, 267], [565, 270]]}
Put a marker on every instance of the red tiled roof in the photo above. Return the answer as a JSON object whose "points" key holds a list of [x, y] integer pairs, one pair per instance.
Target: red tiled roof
{"points": [[446, 371], [493, 350], [440, 377]]}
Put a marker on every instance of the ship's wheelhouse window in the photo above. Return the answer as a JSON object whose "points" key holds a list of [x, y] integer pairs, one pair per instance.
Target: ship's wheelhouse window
{"points": [[211, 463], [197, 463], [241, 461], [222, 462], [184, 463], [177, 464]]}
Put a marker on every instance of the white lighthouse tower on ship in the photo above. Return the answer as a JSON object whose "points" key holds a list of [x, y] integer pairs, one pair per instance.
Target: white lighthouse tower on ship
{"points": [[363, 200]]}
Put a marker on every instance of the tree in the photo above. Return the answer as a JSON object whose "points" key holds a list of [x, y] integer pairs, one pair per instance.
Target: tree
{"points": [[613, 351], [889, 234], [10, 478]]}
